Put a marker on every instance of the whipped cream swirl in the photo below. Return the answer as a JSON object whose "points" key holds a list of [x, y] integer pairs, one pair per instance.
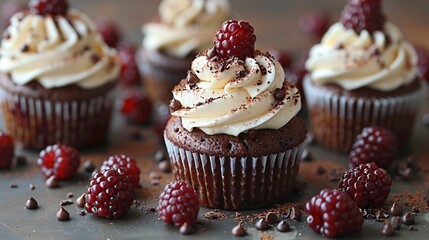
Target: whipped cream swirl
{"points": [[186, 26], [57, 51], [236, 97], [382, 61]]}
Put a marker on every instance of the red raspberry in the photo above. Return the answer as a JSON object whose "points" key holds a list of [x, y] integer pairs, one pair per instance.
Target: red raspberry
{"points": [[49, 7], [373, 144], [423, 65], [282, 57], [108, 30], [110, 194], [235, 39], [129, 72], [128, 164], [178, 203], [136, 106], [60, 161], [332, 213], [7, 150], [367, 184], [363, 15], [315, 24]]}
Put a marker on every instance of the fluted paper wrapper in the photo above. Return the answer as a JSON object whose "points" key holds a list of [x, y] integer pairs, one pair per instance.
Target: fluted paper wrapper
{"points": [[237, 182], [337, 120]]}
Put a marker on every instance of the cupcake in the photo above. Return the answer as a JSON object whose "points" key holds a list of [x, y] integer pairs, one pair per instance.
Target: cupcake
{"points": [[363, 73], [182, 30], [234, 134], [57, 77]]}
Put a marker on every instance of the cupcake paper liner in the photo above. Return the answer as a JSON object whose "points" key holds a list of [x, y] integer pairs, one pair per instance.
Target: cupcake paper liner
{"points": [[337, 120], [237, 182]]}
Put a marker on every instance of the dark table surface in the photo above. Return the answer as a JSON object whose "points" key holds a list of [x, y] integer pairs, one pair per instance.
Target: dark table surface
{"points": [[276, 25]]}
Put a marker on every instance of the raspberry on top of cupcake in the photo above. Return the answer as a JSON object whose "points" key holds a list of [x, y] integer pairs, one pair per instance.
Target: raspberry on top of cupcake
{"points": [[56, 46], [363, 50], [232, 88]]}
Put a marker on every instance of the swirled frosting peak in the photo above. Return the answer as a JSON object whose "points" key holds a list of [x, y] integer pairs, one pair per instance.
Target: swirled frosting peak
{"points": [[185, 26], [382, 60], [233, 97], [56, 51]]}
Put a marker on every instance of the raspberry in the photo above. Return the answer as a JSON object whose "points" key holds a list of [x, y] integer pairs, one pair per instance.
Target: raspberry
{"points": [[7, 150], [60, 161], [367, 184], [178, 204], [332, 213], [136, 106], [110, 194], [129, 72], [315, 24], [423, 64], [282, 57], [373, 144], [108, 30], [49, 7], [128, 164], [363, 15], [235, 39]]}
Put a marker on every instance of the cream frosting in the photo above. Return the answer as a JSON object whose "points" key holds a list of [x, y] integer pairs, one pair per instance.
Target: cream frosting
{"points": [[381, 61], [237, 97], [57, 51], [186, 26]]}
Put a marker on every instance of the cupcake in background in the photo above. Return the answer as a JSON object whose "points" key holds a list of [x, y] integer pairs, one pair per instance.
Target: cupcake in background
{"points": [[234, 134], [182, 29], [57, 77], [363, 73]]}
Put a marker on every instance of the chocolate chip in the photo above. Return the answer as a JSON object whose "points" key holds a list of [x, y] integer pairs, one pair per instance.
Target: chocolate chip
{"points": [[408, 219], [32, 186], [89, 166], [415, 210], [271, 218], [239, 231], [388, 230], [52, 182], [295, 214], [396, 210], [80, 201], [279, 94], [14, 186], [31, 203], [63, 215], [262, 225], [66, 202], [175, 105], [211, 53], [425, 119], [164, 166], [283, 226], [395, 222], [82, 213], [186, 229], [25, 48], [192, 78], [70, 195]]}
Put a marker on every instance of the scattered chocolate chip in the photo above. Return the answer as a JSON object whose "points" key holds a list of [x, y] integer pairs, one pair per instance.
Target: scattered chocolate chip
{"points": [[154, 175], [14, 186], [186, 229], [66, 202], [32, 186], [164, 166], [215, 214], [82, 213], [271, 218], [25, 48], [320, 170], [408, 219], [22, 160], [175, 105], [239, 231], [412, 228], [279, 94], [425, 119], [160, 156], [211, 53], [52, 182], [295, 214], [283, 226], [80, 201], [380, 215], [70, 195], [88, 166], [396, 210], [152, 209], [262, 225], [31, 203], [192, 78], [63, 215], [388, 230], [395, 222]]}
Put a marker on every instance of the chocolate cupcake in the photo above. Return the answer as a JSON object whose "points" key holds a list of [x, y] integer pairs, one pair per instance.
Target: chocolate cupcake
{"points": [[57, 77], [234, 134], [361, 74], [181, 30]]}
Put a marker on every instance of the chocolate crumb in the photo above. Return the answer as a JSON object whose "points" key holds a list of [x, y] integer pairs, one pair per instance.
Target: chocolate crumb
{"points": [[164, 166], [70, 195], [295, 214], [32, 186], [412, 228], [63, 215], [52, 182], [82, 213], [283, 226], [215, 214], [388, 230], [31, 203], [239, 231], [175, 105], [415, 210], [66, 202], [262, 225], [14, 186], [186, 229], [80, 201]]}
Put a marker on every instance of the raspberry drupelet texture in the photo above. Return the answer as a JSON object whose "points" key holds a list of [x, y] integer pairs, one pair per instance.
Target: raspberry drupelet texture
{"points": [[128, 164], [235, 39], [7, 150], [129, 72], [362, 15], [108, 31], [332, 213], [49, 7], [178, 204], [423, 63], [368, 185], [110, 194], [60, 161], [136, 106], [374, 144]]}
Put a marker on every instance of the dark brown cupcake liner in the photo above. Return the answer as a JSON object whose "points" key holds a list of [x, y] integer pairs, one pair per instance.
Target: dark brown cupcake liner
{"points": [[237, 182]]}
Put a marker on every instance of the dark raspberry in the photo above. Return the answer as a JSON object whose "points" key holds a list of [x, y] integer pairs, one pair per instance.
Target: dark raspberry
{"points": [[368, 185], [9, 9], [60, 161], [282, 56], [363, 15], [332, 213], [178, 204], [129, 71], [128, 164], [108, 30], [110, 194], [235, 39], [49, 7], [373, 144], [315, 24], [423, 64], [7, 150], [136, 106]]}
